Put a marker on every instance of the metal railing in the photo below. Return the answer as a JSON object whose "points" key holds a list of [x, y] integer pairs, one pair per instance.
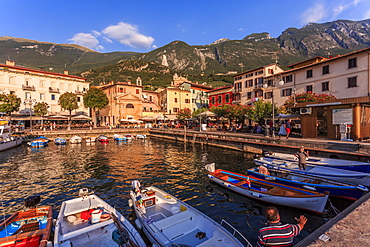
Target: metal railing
{"points": [[235, 233]]}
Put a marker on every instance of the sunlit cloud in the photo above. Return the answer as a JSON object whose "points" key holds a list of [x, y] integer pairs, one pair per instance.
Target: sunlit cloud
{"points": [[88, 40], [129, 35], [313, 14], [367, 14]]}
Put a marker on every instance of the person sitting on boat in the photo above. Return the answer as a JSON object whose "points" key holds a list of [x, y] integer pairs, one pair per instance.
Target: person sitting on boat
{"points": [[276, 233], [302, 157]]}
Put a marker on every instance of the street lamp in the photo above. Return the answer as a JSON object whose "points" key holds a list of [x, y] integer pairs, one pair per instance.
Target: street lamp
{"points": [[30, 102], [274, 81]]}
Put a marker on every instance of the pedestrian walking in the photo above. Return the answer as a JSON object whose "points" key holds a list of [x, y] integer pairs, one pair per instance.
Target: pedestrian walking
{"points": [[288, 127], [282, 130]]}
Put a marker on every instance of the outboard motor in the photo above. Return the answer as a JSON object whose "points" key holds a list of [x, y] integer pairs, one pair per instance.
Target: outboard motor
{"points": [[32, 201], [135, 186]]}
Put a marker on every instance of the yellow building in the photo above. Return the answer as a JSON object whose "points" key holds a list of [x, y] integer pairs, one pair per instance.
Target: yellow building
{"points": [[173, 99]]}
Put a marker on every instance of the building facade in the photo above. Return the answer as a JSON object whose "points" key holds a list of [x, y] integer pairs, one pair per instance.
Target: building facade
{"points": [[199, 95], [220, 96], [173, 99], [41, 86]]}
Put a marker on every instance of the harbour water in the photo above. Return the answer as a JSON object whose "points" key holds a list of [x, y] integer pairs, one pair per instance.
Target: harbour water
{"points": [[56, 173]]}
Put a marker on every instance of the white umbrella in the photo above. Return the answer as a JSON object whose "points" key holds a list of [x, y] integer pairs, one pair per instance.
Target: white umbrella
{"points": [[57, 117], [81, 117], [207, 114]]}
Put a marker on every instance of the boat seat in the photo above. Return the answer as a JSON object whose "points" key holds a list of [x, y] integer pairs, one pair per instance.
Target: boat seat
{"points": [[173, 220], [78, 232]]}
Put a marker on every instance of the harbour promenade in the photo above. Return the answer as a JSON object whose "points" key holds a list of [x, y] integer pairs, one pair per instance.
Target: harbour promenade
{"points": [[349, 228]]}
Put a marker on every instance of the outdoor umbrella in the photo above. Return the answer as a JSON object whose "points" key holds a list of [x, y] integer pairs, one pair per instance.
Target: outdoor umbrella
{"points": [[57, 117], [81, 117], [207, 114]]}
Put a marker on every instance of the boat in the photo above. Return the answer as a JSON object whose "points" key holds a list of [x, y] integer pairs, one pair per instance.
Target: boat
{"points": [[312, 170], [129, 137], [103, 138], [140, 136], [31, 227], [335, 188], [60, 141], [168, 221], [268, 191], [118, 137], [90, 221], [41, 141], [7, 140], [329, 162], [90, 139], [75, 139]]}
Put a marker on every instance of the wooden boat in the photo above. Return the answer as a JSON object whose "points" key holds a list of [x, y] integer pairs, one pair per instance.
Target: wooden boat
{"points": [[60, 141], [103, 138], [75, 139], [90, 221], [168, 221], [7, 140], [321, 171], [31, 228], [41, 141], [90, 139], [268, 191], [333, 187], [317, 161]]}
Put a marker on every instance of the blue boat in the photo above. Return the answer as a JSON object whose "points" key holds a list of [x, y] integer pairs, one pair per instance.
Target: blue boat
{"points": [[119, 138], [335, 188], [41, 141], [60, 141]]}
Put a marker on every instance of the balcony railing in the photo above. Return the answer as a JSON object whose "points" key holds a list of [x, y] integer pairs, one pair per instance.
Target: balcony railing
{"points": [[237, 90], [28, 88], [78, 92], [54, 90]]}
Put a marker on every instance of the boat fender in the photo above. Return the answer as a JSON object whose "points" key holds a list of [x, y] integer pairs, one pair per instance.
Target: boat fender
{"points": [[256, 195], [130, 203], [269, 178], [309, 187], [138, 224], [227, 185]]}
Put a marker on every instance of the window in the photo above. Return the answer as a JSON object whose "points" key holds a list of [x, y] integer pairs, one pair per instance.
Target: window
{"points": [[28, 95], [42, 96], [309, 89], [53, 97], [259, 93], [137, 91], [175, 100], [352, 81], [250, 83], [288, 78], [219, 99], [249, 95], [246, 84], [227, 98], [325, 69], [213, 100], [187, 100], [325, 86], [144, 108], [309, 73], [175, 109], [286, 92], [268, 95], [352, 62], [129, 106], [78, 99], [121, 89]]}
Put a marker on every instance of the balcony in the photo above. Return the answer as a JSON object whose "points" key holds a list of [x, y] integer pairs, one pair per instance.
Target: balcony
{"points": [[236, 101], [54, 90], [257, 86], [28, 88], [237, 90], [78, 92]]}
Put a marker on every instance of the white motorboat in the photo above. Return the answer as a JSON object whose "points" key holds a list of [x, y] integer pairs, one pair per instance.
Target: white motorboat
{"points": [[8, 141], [168, 221], [321, 171], [90, 221], [90, 139], [75, 139], [329, 162]]}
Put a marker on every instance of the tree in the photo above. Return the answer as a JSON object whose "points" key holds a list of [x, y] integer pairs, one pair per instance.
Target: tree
{"points": [[260, 111], [96, 99], [231, 112], [68, 102], [183, 114], [41, 109], [9, 103]]}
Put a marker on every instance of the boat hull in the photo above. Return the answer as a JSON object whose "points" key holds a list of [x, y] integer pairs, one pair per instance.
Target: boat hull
{"points": [[10, 144], [314, 202], [334, 188]]}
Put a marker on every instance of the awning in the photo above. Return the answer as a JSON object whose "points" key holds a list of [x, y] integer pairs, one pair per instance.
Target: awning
{"points": [[81, 117], [57, 117]]}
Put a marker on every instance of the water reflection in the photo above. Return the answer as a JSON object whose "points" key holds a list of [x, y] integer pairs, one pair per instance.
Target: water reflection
{"points": [[58, 172]]}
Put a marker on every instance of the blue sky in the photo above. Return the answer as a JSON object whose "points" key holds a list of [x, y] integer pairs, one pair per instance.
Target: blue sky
{"points": [[141, 26]]}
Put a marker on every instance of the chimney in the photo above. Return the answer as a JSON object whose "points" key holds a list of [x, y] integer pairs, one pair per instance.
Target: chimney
{"points": [[10, 63], [65, 72]]}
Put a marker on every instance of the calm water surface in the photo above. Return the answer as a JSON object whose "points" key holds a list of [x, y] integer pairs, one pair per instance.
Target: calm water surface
{"points": [[58, 172]]}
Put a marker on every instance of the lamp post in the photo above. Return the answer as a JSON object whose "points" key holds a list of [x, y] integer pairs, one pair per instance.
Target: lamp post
{"points": [[280, 82], [30, 102]]}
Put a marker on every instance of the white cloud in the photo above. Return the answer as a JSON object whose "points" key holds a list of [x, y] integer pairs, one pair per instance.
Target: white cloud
{"points": [[96, 33], [108, 40], [367, 14], [88, 40], [129, 35], [313, 14]]}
